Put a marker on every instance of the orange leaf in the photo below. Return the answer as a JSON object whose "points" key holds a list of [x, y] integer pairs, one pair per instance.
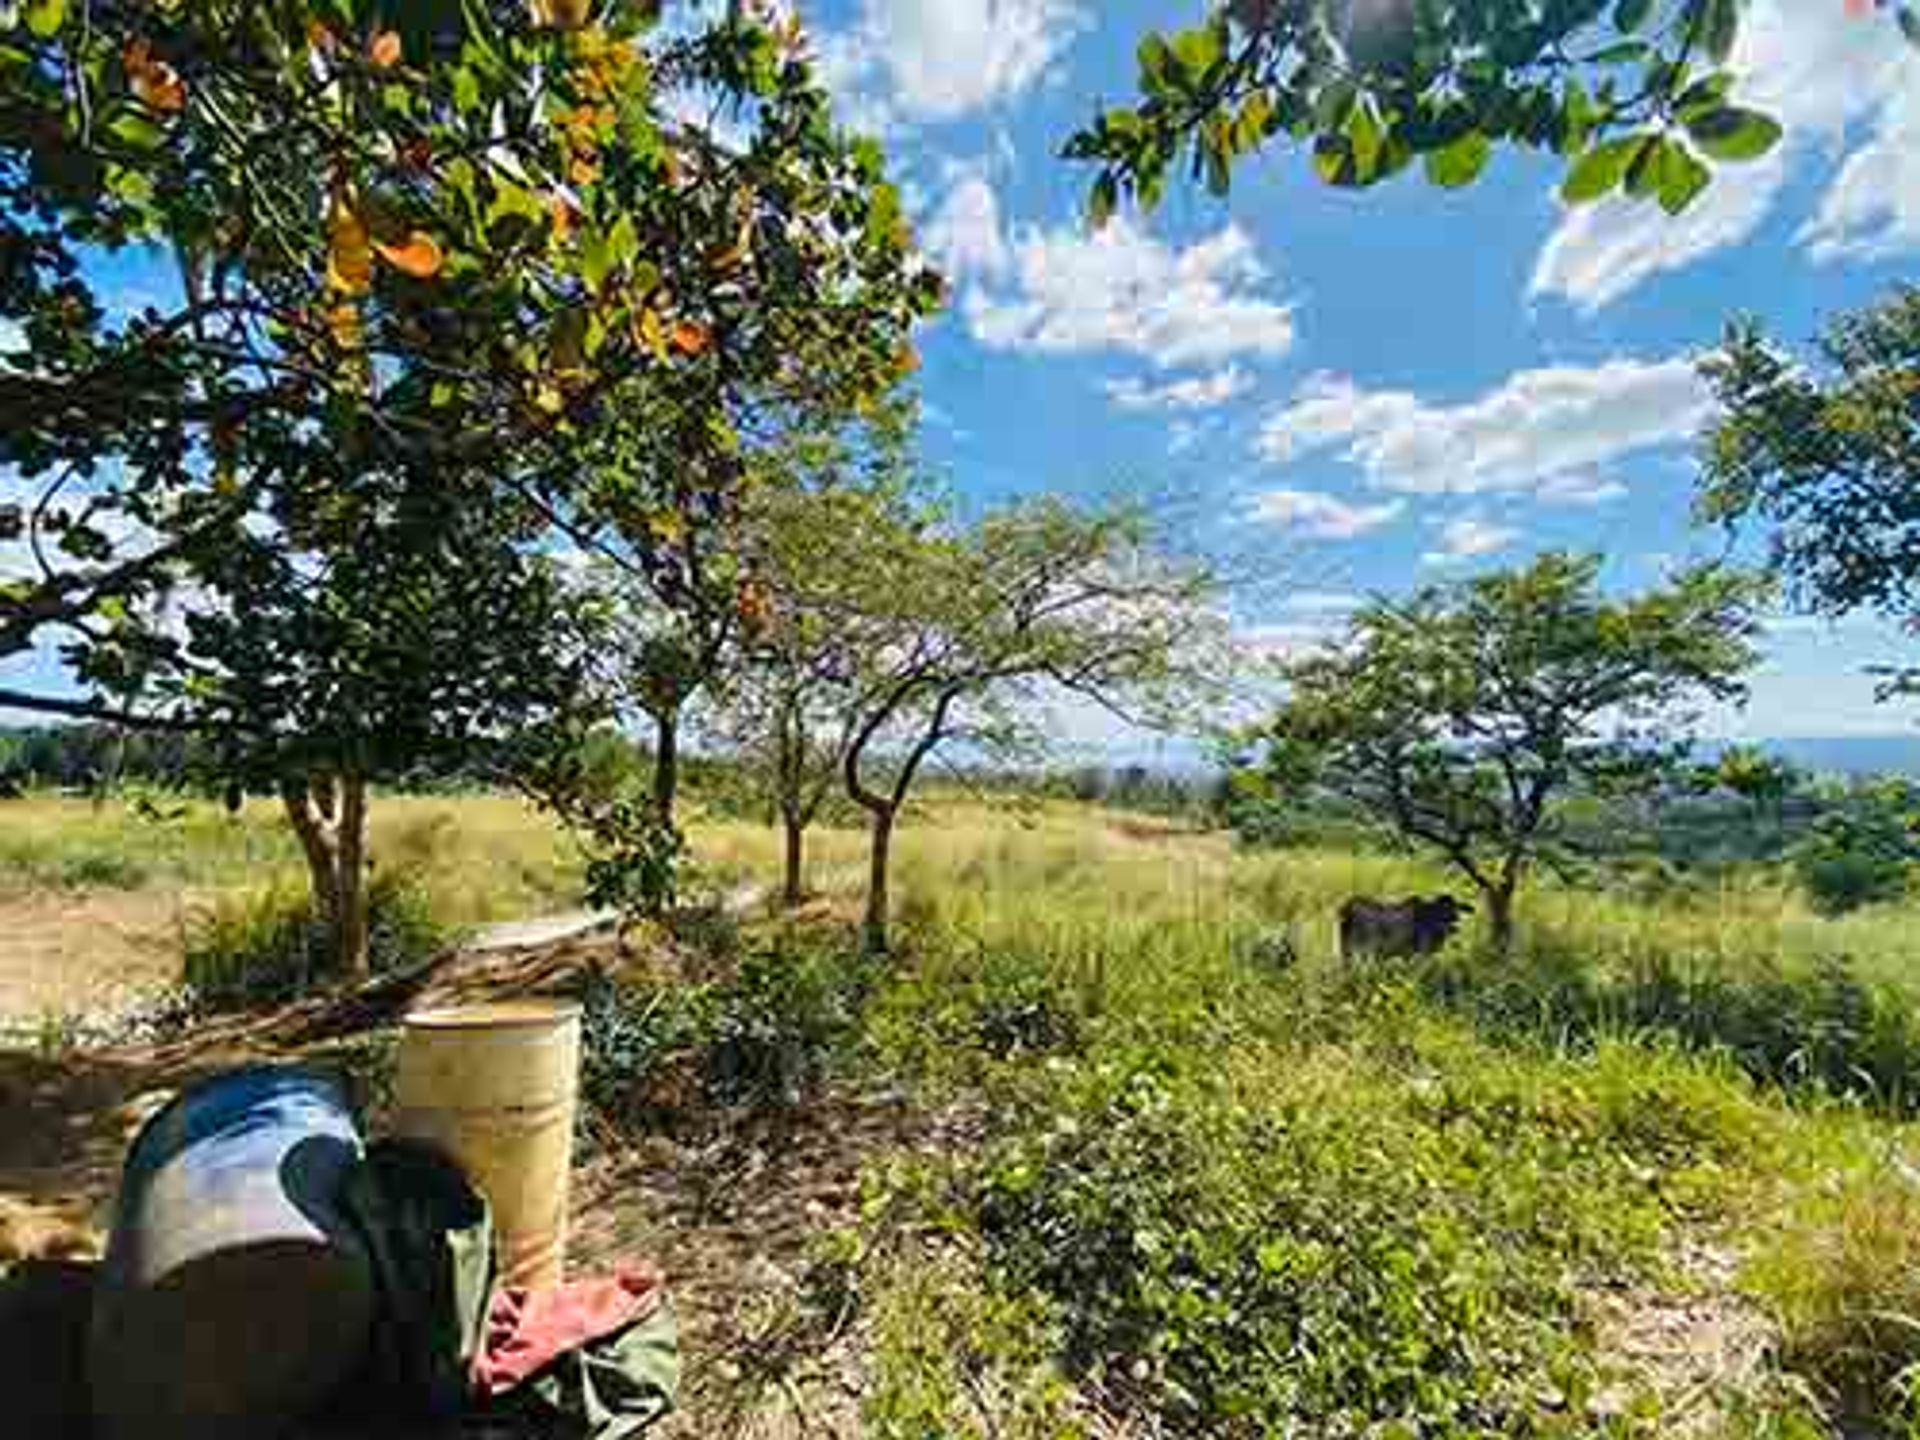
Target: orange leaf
{"points": [[154, 83], [563, 215], [690, 337], [384, 49], [561, 14], [418, 255], [343, 322]]}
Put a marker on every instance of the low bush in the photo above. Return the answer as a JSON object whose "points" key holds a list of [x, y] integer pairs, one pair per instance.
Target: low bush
{"points": [[763, 1034], [1822, 1028], [1393, 1234], [265, 946], [1844, 1284]]}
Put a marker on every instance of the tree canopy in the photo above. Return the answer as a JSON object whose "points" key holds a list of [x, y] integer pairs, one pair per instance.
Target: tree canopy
{"points": [[1461, 714], [1826, 457], [460, 291], [1633, 95]]}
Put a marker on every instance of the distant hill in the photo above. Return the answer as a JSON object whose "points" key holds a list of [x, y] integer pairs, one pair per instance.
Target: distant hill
{"points": [[1851, 754]]}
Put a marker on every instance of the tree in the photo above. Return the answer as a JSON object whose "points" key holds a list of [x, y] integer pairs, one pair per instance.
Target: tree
{"points": [[1634, 95], [831, 541], [1460, 716], [463, 246], [1827, 457], [966, 637]]}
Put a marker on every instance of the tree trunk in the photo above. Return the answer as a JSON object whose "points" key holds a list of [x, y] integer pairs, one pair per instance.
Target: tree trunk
{"points": [[1500, 917], [666, 763], [875, 928], [794, 891], [331, 820]]}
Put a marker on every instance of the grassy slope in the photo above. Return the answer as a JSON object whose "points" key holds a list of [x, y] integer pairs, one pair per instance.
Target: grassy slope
{"points": [[1234, 1199]]}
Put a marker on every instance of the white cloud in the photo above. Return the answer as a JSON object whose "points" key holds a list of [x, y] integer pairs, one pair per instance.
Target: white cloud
{"points": [[1316, 516], [1323, 602], [1535, 430], [939, 60], [1071, 292], [1582, 490], [1197, 392], [1832, 81], [963, 237], [1289, 640], [1469, 539]]}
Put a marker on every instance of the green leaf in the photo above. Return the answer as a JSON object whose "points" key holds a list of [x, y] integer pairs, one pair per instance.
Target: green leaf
{"points": [[1621, 53], [44, 17], [1731, 133], [1333, 160], [131, 127], [1104, 200], [1598, 172], [1716, 25], [1197, 50], [1630, 15], [1364, 136], [1460, 163], [1682, 177], [1156, 64], [1642, 180]]}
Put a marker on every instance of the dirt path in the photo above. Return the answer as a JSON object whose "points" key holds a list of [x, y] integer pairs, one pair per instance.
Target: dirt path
{"points": [[62, 952]]}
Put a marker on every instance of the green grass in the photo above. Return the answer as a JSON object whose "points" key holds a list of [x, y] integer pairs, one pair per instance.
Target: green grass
{"points": [[1212, 1197], [1211, 1190], [477, 857]]}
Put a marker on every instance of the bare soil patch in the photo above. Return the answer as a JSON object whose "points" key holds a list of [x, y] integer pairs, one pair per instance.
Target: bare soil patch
{"points": [[730, 1204], [63, 952]]}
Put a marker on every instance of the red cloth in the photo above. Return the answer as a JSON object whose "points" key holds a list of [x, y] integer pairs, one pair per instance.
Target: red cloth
{"points": [[527, 1330]]}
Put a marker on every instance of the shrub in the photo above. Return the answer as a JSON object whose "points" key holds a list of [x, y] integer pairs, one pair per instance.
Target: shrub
{"points": [[265, 946], [764, 1035], [1319, 1251], [1844, 1284], [1823, 1027]]}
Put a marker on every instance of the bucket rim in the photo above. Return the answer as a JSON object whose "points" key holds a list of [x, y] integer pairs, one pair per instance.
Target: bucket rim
{"points": [[493, 1015]]}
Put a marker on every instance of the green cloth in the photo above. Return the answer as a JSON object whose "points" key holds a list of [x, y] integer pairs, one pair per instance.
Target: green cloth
{"points": [[612, 1389], [430, 1234]]}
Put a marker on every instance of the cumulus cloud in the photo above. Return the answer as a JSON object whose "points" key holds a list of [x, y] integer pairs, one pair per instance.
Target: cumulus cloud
{"points": [[964, 235], [1537, 430], [1838, 85], [1469, 539], [1312, 515], [1197, 392], [940, 60], [1071, 292]]}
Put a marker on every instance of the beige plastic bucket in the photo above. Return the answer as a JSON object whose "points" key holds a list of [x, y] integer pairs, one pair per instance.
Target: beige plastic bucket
{"points": [[495, 1087]]}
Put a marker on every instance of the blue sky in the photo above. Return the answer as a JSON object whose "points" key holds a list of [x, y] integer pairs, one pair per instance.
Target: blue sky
{"points": [[1359, 393], [1386, 388]]}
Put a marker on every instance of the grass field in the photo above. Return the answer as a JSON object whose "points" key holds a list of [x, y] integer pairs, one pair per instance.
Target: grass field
{"points": [[1652, 1176]]}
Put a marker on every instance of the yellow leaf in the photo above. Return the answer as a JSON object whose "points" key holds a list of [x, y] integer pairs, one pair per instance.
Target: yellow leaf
{"points": [[654, 333], [349, 247], [418, 255], [549, 399], [384, 49]]}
